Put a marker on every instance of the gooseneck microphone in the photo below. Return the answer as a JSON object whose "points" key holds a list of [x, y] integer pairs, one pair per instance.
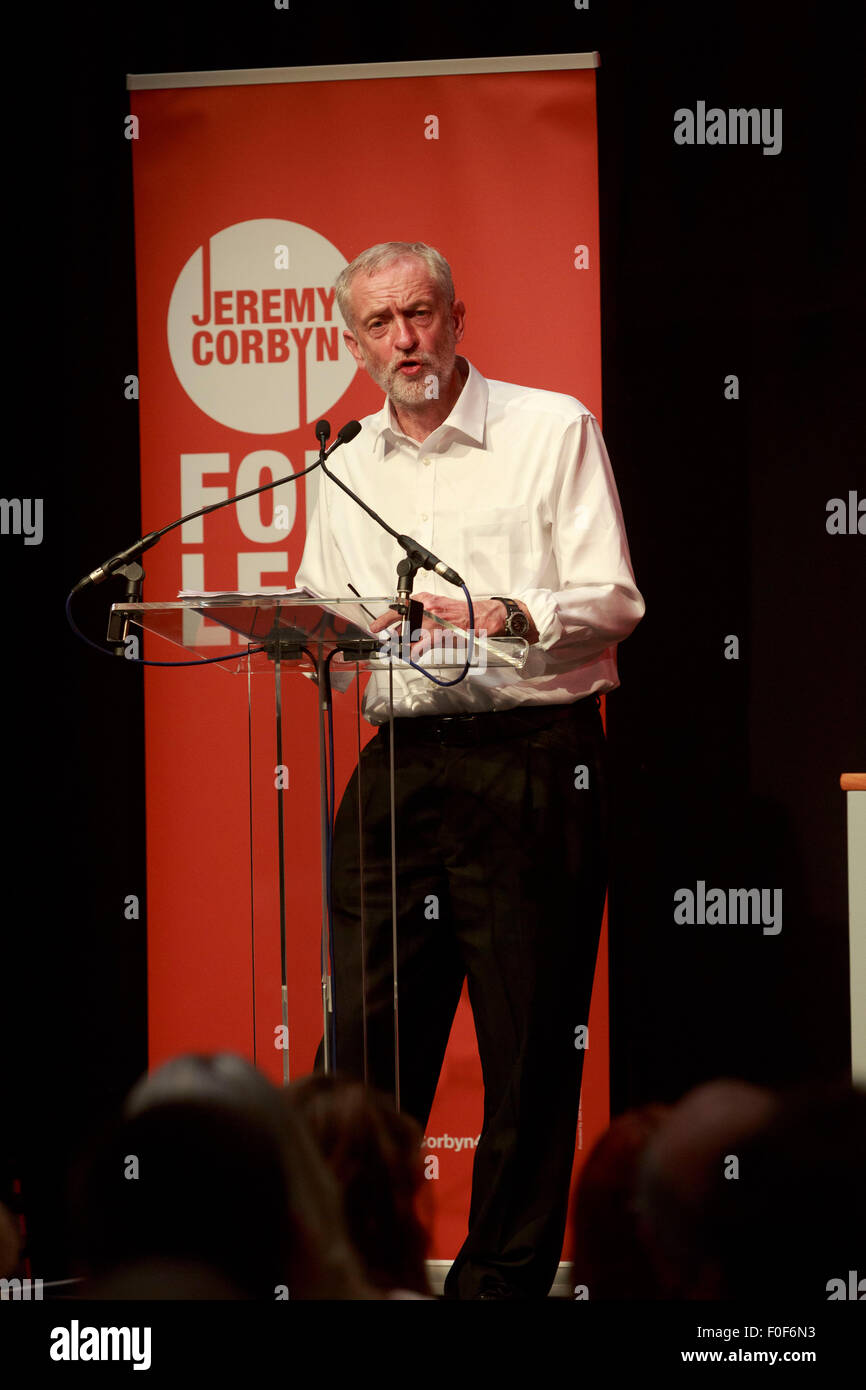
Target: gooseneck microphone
{"points": [[108, 567], [425, 559], [349, 430]]}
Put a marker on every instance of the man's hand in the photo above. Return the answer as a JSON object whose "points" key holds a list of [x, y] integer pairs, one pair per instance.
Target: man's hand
{"points": [[490, 617]]}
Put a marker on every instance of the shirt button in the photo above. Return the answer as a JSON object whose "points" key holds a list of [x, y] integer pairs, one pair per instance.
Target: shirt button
{"points": [[424, 516], [426, 462]]}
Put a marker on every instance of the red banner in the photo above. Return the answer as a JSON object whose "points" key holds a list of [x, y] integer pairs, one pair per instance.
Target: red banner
{"points": [[249, 199]]}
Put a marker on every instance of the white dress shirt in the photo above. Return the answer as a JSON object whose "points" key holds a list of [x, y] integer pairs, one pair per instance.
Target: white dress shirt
{"points": [[514, 490]]}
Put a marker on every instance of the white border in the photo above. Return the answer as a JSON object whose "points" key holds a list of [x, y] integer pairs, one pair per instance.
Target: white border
{"points": [[353, 72]]}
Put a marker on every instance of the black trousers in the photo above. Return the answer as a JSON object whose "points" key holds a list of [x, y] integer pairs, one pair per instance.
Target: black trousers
{"points": [[501, 852]]}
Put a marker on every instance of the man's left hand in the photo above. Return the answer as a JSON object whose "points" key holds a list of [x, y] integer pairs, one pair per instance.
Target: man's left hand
{"points": [[490, 616]]}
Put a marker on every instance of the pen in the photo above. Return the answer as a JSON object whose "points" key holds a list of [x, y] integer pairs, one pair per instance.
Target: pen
{"points": [[357, 595]]}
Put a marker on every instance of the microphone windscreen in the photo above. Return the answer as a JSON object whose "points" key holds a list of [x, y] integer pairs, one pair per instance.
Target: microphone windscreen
{"points": [[349, 431], [323, 431]]}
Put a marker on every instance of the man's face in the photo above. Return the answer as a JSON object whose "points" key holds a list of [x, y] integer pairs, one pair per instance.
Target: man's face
{"points": [[404, 333]]}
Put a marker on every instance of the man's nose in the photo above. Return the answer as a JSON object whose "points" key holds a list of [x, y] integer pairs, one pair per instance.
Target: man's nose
{"points": [[405, 335]]}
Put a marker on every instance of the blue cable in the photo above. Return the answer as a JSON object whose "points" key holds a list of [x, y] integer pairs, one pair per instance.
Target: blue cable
{"points": [[467, 663]]}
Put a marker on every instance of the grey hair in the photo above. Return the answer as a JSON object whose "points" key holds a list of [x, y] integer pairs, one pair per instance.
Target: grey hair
{"points": [[377, 257]]}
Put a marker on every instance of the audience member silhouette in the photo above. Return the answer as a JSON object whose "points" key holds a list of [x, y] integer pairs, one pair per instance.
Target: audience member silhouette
{"points": [[375, 1156], [792, 1227], [204, 1168], [611, 1261], [683, 1172]]}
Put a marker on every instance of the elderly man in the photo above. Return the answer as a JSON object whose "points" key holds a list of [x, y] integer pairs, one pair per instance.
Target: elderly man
{"points": [[500, 778]]}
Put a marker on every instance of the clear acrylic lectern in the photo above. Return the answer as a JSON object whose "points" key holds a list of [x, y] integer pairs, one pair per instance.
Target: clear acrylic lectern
{"points": [[327, 641]]}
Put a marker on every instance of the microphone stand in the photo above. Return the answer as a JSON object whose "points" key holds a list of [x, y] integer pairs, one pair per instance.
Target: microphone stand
{"points": [[118, 624]]}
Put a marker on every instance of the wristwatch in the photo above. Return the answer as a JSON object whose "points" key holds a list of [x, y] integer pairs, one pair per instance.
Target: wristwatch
{"points": [[516, 621]]}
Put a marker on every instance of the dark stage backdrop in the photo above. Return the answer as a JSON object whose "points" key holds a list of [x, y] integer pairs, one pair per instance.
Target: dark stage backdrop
{"points": [[732, 298]]}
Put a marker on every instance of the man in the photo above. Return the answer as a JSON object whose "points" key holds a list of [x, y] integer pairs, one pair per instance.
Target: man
{"points": [[500, 778]]}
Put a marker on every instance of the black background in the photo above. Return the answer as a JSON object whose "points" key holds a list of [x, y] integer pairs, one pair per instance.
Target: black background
{"points": [[715, 260]]}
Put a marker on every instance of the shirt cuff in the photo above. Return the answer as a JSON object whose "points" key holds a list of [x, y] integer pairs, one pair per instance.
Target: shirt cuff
{"points": [[542, 608]]}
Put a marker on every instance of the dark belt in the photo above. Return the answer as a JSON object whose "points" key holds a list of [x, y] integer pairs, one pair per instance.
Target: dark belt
{"points": [[468, 730]]}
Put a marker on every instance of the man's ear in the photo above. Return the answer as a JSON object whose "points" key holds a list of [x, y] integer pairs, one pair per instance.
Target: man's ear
{"points": [[354, 346], [458, 318]]}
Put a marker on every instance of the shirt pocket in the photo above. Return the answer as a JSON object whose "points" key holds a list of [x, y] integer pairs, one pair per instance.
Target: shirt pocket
{"points": [[492, 548]]}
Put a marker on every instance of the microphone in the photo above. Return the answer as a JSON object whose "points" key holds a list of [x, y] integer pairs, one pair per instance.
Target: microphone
{"points": [[425, 559], [323, 430], [109, 566]]}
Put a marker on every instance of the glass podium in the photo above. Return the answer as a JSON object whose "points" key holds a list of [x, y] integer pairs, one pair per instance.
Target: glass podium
{"points": [[269, 639]]}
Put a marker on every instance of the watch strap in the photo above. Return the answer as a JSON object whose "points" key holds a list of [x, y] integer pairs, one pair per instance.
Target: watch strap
{"points": [[511, 608]]}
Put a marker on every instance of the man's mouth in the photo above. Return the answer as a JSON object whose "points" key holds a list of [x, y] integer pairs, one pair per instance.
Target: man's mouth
{"points": [[410, 367]]}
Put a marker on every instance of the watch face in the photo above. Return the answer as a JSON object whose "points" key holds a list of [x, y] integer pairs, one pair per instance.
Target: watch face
{"points": [[518, 624]]}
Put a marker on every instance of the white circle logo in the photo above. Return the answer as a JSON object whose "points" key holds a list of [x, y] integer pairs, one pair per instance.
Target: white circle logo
{"points": [[254, 332]]}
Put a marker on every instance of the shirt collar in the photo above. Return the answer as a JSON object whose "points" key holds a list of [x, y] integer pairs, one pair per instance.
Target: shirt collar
{"points": [[468, 418]]}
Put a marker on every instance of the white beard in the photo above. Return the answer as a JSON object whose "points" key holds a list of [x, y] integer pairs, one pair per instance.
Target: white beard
{"points": [[411, 391]]}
